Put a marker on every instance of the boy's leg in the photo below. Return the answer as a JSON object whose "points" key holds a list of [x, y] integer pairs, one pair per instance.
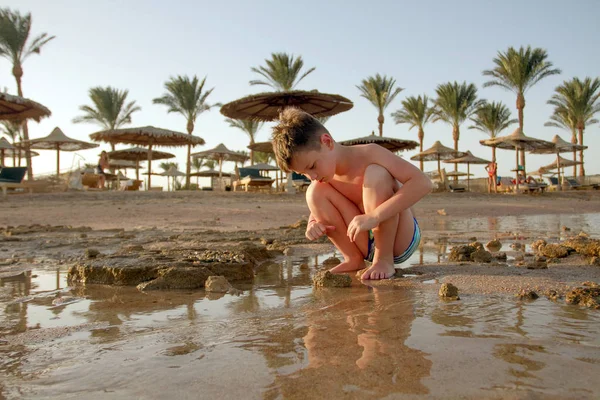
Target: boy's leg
{"points": [[330, 207], [378, 186]]}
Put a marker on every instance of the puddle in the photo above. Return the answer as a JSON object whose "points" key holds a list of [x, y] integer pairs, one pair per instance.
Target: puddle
{"points": [[282, 339]]}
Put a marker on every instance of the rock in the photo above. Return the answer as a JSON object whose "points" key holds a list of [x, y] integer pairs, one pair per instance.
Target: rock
{"points": [[304, 266], [331, 262], [442, 212], [494, 245], [177, 278], [537, 244], [217, 284], [587, 296], [500, 256], [590, 284], [91, 253], [301, 223], [539, 259], [565, 228], [554, 251], [519, 257], [473, 239], [517, 246], [536, 265], [288, 251], [527, 295], [461, 253], [327, 279], [584, 245], [481, 256], [475, 244], [448, 290], [552, 294], [595, 261], [266, 241]]}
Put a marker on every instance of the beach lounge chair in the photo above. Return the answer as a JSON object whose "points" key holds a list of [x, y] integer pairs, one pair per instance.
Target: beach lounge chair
{"points": [[300, 181], [251, 178], [12, 178], [506, 185], [90, 180], [553, 184], [571, 183], [456, 188]]}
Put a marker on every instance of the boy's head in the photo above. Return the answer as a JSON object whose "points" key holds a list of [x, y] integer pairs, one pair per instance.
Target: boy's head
{"points": [[297, 131]]}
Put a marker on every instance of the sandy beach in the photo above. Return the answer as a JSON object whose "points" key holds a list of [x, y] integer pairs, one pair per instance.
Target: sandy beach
{"points": [[371, 340]]}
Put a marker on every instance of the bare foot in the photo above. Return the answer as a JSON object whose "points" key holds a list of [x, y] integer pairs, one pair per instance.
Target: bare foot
{"points": [[379, 270], [348, 266]]}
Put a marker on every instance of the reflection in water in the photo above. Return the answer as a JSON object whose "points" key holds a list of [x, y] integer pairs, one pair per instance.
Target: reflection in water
{"points": [[299, 343]]}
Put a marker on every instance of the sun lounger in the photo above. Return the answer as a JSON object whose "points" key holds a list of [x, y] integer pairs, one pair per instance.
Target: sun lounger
{"points": [[571, 183], [12, 178], [90, 180], [506, 185], [251, 178], [300, 182], [456, 188]]}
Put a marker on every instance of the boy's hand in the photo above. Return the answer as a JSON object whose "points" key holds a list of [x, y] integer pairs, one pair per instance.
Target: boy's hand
{"points": [[315, 230], [361, 223]]}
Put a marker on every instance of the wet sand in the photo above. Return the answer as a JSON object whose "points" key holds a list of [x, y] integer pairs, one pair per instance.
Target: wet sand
{"points": [[280, 338]]}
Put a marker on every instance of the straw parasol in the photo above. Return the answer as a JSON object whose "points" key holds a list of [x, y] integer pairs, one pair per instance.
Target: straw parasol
{"points": [[458, 173], [4, 145], [58, 141], [438, 152], [263, 147], [209, 173], [517, 141], [221, 153], [172, 172], [392, 144], [561, 146], [147, 136], [468, 159], [16, 108], [560, 163], [267, 106], [14, 153], [137, 154]]}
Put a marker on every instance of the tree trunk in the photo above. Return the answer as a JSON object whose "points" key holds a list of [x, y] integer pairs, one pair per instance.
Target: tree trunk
{"points": [[581, 167], [421, 137], [456, 136], [520, 107], [18, 74], [495, 183], [381, 120], [574, 141], [251, 152], [188, 167]]}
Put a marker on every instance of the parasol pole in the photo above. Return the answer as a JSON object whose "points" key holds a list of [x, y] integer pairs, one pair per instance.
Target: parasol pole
{"points": [[149, 165], [517, 169], [468, 177], [558, 170], [2, 158], [137, 168], [57, 159]]}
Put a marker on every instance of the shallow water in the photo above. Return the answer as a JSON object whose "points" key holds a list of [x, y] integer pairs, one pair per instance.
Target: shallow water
{"points": [[282, 339]]}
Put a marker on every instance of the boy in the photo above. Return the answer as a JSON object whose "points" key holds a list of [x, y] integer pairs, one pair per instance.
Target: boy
{"points": [[360, 196]]}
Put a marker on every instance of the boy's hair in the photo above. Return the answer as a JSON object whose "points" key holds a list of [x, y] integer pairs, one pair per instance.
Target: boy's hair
{"points": [[296, 131]]}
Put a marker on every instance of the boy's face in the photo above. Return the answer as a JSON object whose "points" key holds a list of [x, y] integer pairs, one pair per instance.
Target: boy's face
{"points": [[317, 165]]}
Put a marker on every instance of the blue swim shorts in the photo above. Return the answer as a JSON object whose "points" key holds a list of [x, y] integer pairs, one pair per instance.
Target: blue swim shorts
{"points": [[414, 244]]}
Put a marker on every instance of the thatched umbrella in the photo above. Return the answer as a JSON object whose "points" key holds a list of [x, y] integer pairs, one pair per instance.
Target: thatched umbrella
{"points": [[4, 145], [561, 146], [560, 163], [58, 141], [16, 108], [137, 154], [210, 173], [267, 106], [263, 147], [172, 172], [458, 173], [392, 144], [221, 153], [438, 152], [147, 136], [517, 141], [468, 159], [17, 152]]}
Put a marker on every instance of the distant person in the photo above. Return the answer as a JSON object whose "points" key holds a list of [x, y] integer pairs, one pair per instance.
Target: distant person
{"points": [[360, 196], [491, 169], [101, 168]]}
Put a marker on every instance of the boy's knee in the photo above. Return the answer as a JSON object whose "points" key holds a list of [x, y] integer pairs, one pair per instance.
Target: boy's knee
{"points": [[316, 191], [376, 175]]}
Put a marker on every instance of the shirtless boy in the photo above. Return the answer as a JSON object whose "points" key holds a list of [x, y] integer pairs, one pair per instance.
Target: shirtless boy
{"points": [[360, 196]]}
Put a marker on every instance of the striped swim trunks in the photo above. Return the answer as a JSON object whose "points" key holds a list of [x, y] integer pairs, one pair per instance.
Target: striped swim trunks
{"points": [[414, 244]]}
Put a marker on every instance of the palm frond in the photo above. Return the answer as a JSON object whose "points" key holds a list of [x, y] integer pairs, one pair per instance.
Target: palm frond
{"points": [[415, 112], [282, 72], [109, 109], [492, 118]]}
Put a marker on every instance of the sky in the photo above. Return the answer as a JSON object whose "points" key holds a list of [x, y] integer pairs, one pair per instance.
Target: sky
{"points": [[139, 45]]}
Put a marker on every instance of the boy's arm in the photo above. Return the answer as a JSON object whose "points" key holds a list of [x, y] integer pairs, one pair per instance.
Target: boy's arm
{"points": [[415, 184]]}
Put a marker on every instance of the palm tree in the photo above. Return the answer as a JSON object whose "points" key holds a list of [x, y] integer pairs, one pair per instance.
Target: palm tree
{"points": [[250, 127], [167, 165], [579, 100], [16, 47], [563, 120], [265, 158], [492, 118], [13, 131], [109, 109], [282, 72], [518, 71], [379, 90], [416, 112], [187, 97], [197, 164]]}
